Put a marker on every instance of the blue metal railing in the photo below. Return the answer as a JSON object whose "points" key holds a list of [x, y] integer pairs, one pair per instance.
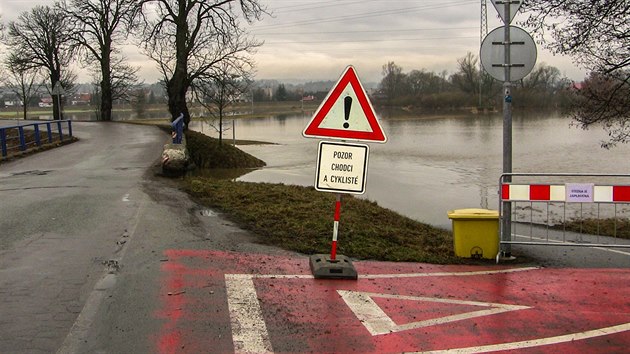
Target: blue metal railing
{"points": [[22, 137]]}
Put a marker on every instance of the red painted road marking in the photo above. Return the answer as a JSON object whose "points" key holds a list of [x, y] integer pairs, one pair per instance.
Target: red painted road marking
{"points": [[275, 305]]}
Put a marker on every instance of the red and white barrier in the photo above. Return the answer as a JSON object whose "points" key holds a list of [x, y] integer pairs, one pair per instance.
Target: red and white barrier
{"points": [[558, 193]]}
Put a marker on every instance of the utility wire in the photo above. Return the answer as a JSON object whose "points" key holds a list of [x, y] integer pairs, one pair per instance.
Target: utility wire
{"points": [[370, 40], [365, 15], [366, 31], [319, 5]]}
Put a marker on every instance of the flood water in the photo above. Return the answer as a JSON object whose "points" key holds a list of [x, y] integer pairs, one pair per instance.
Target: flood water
{"points": [[430, 166]]}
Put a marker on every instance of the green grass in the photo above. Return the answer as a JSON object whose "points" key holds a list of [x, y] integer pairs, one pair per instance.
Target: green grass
{"points": [[301, 218], [207, 153]]}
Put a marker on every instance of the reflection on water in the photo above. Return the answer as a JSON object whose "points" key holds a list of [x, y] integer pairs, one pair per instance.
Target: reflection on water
{"points": [[430, 166]]}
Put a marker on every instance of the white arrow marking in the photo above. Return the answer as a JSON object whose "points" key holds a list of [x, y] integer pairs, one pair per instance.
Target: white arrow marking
{"points": [[377, 322]]}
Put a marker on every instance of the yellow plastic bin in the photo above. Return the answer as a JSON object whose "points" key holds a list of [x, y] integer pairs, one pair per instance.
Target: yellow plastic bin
{"points": [[475, 232]]}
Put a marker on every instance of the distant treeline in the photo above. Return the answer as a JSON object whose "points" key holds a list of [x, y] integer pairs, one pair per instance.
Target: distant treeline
{"points": [[421, 90], [543, 88]]}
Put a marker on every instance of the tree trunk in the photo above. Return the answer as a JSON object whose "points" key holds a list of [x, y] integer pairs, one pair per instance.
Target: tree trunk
{"points": [[106, 95], [106, 88], [55, 77], [106, 101], [178, 85], [177, 88]]}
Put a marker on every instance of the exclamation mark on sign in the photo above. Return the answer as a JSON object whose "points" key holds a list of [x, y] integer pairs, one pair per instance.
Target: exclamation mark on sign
{"points": [[347, 104]]}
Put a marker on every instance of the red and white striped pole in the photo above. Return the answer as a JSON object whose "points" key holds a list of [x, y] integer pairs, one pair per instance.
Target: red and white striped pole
{"points": [[333, 251]]}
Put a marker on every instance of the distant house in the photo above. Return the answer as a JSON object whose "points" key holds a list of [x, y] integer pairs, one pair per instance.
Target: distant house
{"points": [[578, 85], [11, 103], [10, 99], [81, 99], [46, 102]]}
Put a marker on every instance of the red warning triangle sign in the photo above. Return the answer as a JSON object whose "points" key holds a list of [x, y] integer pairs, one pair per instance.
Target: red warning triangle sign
{"points": [[346, 113]]}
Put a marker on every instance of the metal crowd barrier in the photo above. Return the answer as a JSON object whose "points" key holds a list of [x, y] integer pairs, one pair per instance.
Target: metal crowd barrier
{"points": [[543, 205], [23, 137]]}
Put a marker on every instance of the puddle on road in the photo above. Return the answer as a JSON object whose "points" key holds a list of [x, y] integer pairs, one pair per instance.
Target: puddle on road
{"points": [[32, 173]]}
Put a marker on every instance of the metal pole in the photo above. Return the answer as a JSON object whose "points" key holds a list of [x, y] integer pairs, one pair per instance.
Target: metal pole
{"points": [[506, 227], [58, 107]]}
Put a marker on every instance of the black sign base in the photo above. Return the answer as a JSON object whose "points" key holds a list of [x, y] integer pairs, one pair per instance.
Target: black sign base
{"points": [[323, 267]]}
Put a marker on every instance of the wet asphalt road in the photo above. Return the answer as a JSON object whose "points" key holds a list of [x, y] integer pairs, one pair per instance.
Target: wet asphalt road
{"points": [[83, 231], [65, 218]]}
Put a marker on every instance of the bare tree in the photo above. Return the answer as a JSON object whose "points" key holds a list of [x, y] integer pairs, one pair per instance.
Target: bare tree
{"points": [[543, 77], [605, 101], [219, 90], [467, 77], [595, 34], [187, 38], [543, 88], [124, 80], [24, 82], [394, 81], [100, 24], [40, 39], [139, 102]]}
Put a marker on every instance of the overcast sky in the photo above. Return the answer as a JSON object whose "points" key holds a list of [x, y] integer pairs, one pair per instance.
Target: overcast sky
{"points": [[316, 40]]}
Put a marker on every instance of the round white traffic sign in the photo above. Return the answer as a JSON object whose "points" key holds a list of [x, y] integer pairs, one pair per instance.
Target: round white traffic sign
{"points": [[522, 51]]}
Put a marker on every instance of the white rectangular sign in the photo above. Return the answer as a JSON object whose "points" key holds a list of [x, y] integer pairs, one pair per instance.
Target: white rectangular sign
{"points": [[579, 192], [341, 167]]}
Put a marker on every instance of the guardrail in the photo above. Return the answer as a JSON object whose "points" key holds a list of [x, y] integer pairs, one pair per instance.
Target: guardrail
{"points": [[565, 209], [20, 138]]}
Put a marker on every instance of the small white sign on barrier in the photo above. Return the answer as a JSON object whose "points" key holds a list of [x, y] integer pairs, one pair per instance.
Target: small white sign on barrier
{"points": [[579, 192]]}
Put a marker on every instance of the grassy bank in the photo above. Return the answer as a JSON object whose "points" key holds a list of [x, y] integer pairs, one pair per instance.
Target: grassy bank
{"points": [[301, 219], [207, 153]]}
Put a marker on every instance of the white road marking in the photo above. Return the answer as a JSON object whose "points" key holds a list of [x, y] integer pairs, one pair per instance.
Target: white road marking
{"points": [[249, 332], [377, 322], [613, 251], [536, 342], [250, 335], [403, 275], [126, 198], [447, 274]]}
